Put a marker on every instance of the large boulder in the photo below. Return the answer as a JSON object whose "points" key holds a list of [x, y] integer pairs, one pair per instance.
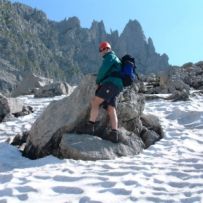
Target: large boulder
{"points": [[54, 131], [51, 90], [29, 83], [191, 74], [9, 106], [194, 76], [152, 131], [62, 115], [165, 82], [88, 147], [175, 84], [178, 96]]}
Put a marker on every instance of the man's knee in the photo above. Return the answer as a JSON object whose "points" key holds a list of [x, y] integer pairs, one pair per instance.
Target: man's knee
{"points": [[111, 110], [96, 101]]}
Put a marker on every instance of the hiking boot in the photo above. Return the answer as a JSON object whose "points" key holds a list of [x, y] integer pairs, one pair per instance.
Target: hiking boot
{"points": [[113, 136], [87, 128]]}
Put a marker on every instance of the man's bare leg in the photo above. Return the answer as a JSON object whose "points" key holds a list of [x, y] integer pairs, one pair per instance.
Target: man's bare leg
{"points": [[96, 101], [113, 117]]}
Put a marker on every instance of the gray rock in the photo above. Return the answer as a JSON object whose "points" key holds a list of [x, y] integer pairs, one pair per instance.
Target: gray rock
{"points": [[130, 107], [25, 111], [51, 90], [29, 83], [191, 74], [15, 105], [9, 106], [4, 107], [18, 140], [174, 85], [151, 122], [88, 147], [179, 96], [53, 132], [63, 114], [149, 137]]}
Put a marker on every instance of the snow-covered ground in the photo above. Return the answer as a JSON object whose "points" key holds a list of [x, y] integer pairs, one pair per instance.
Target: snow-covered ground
{"points": [[170, 171]]}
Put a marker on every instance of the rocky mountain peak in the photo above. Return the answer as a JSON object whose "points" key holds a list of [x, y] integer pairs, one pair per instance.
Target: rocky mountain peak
{"points": [[98, 26], [72, 22], [133, 26], [151, 45]]}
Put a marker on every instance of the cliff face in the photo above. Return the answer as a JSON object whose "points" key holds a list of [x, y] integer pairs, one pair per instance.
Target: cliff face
{"points": [[63, 50]]}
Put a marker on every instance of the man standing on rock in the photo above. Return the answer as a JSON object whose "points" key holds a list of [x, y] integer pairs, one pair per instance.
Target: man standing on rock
{"points": [[108, 88]]}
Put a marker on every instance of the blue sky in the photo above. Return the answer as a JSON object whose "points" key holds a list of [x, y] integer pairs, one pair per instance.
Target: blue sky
{"points": [[175, 26]]}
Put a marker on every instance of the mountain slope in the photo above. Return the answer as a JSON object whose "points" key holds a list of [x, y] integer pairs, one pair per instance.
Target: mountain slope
{"points": [[64, 50]]}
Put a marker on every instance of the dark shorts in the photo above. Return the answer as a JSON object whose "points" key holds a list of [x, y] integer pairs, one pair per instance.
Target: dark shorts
{"points": [[108, 92]]}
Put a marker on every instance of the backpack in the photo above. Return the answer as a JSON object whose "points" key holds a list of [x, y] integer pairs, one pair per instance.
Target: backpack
{"points": [[128, 74]]}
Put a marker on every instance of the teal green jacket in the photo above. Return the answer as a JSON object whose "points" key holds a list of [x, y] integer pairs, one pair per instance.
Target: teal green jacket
{"points": [[111, 63]]}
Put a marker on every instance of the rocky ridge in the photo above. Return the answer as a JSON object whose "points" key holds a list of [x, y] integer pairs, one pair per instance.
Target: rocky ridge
{"points": [[64, 50]]}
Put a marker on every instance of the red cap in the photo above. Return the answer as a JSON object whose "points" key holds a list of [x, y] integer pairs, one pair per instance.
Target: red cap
{"points": [[104, 45]]}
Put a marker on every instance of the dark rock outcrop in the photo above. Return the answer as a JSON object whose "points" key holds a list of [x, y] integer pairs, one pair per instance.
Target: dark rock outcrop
{"points": [[177, 80]]}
